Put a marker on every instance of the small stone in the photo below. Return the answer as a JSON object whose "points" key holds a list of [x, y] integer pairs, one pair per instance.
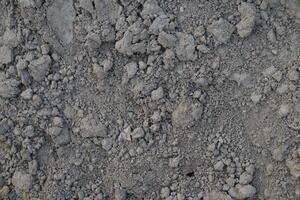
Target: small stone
{"points": [[60, 16], [245, 178], [293, 75], [185, 49], [107, 65], [294, 168], [221, 30], [165, 192], [45, 49], [167, 40], [271, 36], [91, 127], [138, 133], [107, 144], [256, 97], [203, 48], [219, 166], [216, 195], [278, 153], [120, 194], [27, 94], [277, 76], [151, 9], [186, 114], [242, 192], [174, 162], [284, 110], [247, 23], [131, 69], [6, 55], [22, 181], [282, 89], [269, 71], [9, 88], [40, 67], [157, 94]]}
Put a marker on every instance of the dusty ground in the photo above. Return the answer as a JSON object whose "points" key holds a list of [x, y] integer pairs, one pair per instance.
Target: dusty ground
{"points": [[149, 99]]}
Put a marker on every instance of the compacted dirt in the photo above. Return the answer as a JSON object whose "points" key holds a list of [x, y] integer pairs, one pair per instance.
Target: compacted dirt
{"points": [[149, 99]]}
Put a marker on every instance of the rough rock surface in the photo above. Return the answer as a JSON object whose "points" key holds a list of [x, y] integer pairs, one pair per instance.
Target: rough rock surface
{"points": [[149, 99]]}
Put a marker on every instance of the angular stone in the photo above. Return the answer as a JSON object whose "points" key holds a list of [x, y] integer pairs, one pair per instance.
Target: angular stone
{"points": [[60, 16]]}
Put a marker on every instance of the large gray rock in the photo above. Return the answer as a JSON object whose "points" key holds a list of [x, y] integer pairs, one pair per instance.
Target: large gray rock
{"points": [[61, 15]]}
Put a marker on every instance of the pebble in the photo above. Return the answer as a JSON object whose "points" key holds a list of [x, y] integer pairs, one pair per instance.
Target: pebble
{"points": [[245, 178], [221, 30], [6, 55], [219, 166], [284, 110], [131, 69], [157, 94], [247, 23], [242, 191], [165, 192], [27, 94], [107, 144]]}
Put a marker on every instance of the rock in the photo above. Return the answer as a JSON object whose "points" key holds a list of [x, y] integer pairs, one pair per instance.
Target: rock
{"points": [[6, 55], [107, 10], [256, 97], [8, 87], [294, 168], [120, 194], [215, 195], [107, 65], [27, 94], [138, 133], [282, 89], [174, 162], [131, 69], [269, 71], [284, 110], [293, 75], [60, 135], [203, 48], [91, 127], [27, 3], [242, 192], [221, 30], [157, 94], [165, 192], [11, 38], [242, 79], [167, 40], [219, 166], [247, 23], [186, 114], [5, 126], [60, 16], [40, 68], [245, 178], [151, 9], [185, 49], [22, 181], [271, 36], [107, 144], [159, 24], [279, 152]]}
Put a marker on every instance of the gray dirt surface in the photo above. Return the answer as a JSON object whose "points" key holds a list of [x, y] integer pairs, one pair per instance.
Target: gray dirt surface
{"points": [[149, 99]]}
